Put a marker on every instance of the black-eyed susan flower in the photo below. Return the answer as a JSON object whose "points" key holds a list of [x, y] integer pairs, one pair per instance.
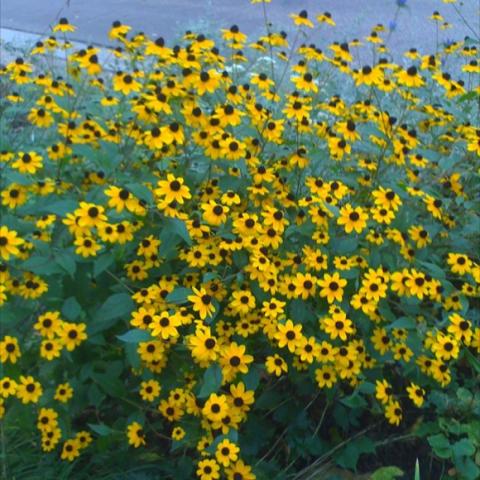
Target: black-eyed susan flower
{"points": [[289, 335], [337, 325], [393, 412], [63, 393], [29, 390], [63, 26], [8, 387], [87, 246], [70, 450], [202, 303], [72, 334], [410, 77], [276, 365], [216, 407], [416, 394], [226, 452], [326, 376], [208, 469], [332, 287], [28, 162], [445, 347], [352, 218], [9, 349], [9, 243], [301, 19], [135, 435], [149, 390]]}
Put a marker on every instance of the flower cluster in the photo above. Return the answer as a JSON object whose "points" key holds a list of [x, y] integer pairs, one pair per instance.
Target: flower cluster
{"points": [[194, 229]]}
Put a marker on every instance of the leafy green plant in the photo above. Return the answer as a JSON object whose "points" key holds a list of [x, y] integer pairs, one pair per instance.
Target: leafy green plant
{"points": [[239, 260]]}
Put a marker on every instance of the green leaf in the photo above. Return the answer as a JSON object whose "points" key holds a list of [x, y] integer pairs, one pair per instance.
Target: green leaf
{"points": [[41, 265], [100, 428], [102, 263], [403, 322], [109, 384], [252, 378], [71, 309], [117, 305], [434, 270], [176, 227], [141, 192], [417, 470], [440, 445], [467, 469], [179, 295], [386, 473], [472, 360], [61, 208], [212, 381], [67, 262], [366, 387], [468, 96], [463, 448], [349, 456], [232, 435], [346, 245], [135, 336], [354, 401]]}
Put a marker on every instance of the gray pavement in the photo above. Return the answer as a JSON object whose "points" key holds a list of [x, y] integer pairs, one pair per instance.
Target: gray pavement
{"points": [[169, 18]]}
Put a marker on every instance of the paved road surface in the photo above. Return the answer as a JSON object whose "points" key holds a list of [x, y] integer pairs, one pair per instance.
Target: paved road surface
{"points": [[169, 18]]}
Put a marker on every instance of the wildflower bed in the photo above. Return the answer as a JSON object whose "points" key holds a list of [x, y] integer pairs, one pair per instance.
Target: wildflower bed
{"points": [[238, 260]]}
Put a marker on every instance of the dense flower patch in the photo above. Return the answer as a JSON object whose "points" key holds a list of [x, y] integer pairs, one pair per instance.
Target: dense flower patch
{"points": [[231, 255]]}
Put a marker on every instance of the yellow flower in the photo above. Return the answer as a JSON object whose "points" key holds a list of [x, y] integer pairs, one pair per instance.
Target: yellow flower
{"points": [[28, 162], [302, 19], [226, 452], [70, 450], [276, 365], [202, 303], [135, 435], [9, 243], [9, 349], [63, 25], [173, 190], [393, 412], [352, 218], [63, 392], [332, 287], [29, 390], [416, 394], [289, 335], [326, 376]]}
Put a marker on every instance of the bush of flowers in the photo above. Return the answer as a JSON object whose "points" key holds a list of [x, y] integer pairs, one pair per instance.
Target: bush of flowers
{"points": [[236, 258]]}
